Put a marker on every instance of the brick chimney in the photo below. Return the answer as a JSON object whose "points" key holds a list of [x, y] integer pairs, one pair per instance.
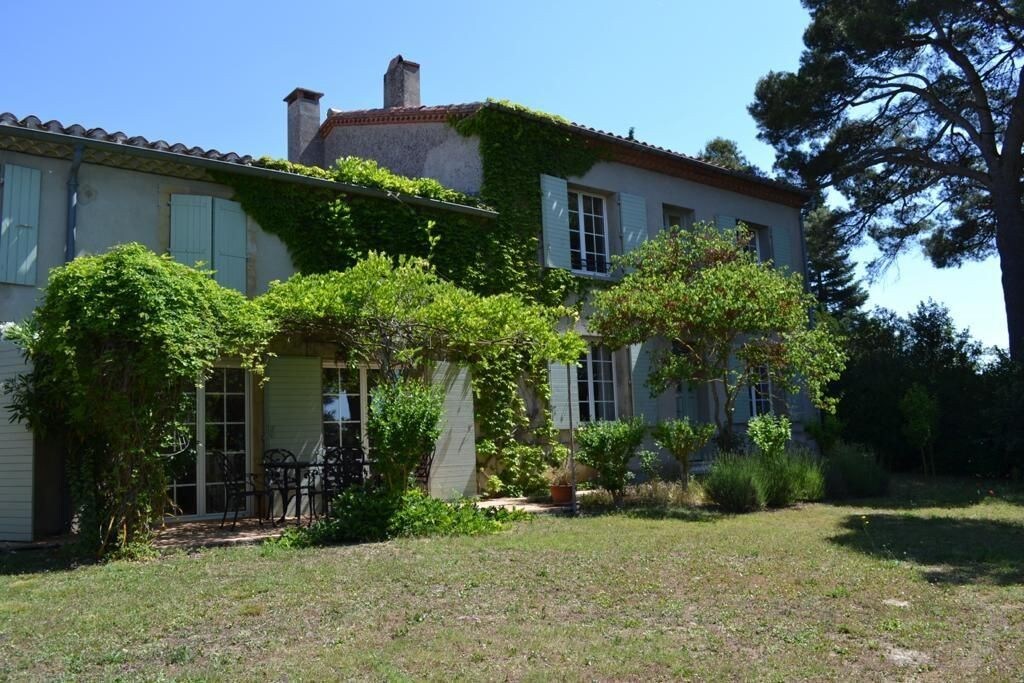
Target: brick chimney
{"points": [[303, 124], [402, 83]]}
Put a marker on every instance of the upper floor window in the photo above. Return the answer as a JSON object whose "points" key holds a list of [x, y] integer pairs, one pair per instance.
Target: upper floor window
{"points": [[759, 244], [588, 233], [676, 216], [595, 378], [761, 393]]}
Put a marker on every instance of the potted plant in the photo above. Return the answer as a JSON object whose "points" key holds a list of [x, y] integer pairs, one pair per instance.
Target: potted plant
{"points": [[560, 484]]}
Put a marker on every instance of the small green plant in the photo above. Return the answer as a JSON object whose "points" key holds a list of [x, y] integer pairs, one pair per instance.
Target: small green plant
{"points": [[682, 439], [607, 447], [650, 465], [523, 470], [770, 433], [809, 473], [853, 472], [780, 480], [734, 484], [920, 411], [404, 423], [559, 475]]}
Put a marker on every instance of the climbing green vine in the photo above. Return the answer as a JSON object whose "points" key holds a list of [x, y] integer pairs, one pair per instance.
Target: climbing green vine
{"points": [[327, 230]]}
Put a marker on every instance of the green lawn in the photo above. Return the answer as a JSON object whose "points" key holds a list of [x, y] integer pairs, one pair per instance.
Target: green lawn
{"points": [[930, 585]]}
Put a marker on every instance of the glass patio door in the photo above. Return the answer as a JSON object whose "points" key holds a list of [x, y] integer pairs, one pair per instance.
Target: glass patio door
{"points": [[221, 418]]}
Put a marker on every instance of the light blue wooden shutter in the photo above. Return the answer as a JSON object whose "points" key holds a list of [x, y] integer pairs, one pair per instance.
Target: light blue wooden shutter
{"points": [[644, 405], [688, 404], [564, 394], [192, 229], [741, 414], [555, 219], [229, 244], [19, 225], [782, 253], [453, 472], [633, 221], [725, 222], [292, 405]]}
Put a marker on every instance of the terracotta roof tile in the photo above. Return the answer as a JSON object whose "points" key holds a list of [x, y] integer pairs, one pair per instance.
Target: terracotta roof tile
{"points": [[77, 130]]}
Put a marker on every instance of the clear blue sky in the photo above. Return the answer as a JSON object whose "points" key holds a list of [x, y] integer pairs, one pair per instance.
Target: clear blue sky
{"points": [[214, 74]]}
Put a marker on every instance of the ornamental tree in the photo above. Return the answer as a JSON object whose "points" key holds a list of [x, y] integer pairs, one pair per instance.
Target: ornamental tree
{"points": [[726, 315], [913, 110], [115, 346]]}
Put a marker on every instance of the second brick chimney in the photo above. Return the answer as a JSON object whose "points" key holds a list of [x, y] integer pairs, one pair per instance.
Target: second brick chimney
{"points": [[402, 83]]}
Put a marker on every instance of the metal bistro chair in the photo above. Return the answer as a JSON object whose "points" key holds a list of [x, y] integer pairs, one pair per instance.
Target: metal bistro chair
{"points": [[422, 471], [238, 487], [342, 468], [278, 480]]}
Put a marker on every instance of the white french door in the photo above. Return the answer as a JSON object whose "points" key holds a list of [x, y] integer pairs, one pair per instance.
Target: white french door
{"points": [[220, 409]]}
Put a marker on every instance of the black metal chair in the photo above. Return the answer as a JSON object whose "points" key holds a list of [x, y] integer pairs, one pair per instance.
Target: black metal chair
{"points": [[422, 471], [278, 479], [342, 468], [238, 487]]}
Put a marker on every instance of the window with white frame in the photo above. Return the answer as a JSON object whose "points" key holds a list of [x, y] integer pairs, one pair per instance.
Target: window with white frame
{"points": [[761, 393], [595, 379], [588, 233], [345, 400]]}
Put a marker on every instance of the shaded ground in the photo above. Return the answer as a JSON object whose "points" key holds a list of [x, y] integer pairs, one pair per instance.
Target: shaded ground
{"points": [[931, 593]]}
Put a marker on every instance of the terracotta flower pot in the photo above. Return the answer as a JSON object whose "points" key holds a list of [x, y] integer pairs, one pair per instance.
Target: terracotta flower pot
{"points": [[561, 494]]}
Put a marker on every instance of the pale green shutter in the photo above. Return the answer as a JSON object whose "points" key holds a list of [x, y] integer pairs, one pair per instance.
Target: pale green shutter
{"points": [[725, 222], [555, 219], [633, 221], [191, 229], [782, 254], [565, 395], [229, 244], [742, 407], [644, 405], [688, 404], [292, 405], [453, 472], [19, 225]]}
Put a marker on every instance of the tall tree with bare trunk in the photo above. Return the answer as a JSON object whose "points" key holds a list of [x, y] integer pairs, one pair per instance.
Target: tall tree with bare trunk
{"points": [[913, 110]]}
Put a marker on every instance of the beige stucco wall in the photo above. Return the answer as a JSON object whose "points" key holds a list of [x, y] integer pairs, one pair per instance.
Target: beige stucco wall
{"points": [[417, 150], [117, 206]]}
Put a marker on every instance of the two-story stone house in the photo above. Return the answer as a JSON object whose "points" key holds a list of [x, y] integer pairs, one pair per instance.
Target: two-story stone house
{"points": [[636, 190]]}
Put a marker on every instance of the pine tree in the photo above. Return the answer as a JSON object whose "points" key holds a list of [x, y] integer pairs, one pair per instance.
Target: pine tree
{"points": [[830, 270]]}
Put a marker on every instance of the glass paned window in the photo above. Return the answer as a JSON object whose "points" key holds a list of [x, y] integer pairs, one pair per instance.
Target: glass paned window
{"points": [[342, 407], [225, 432], [761, 393], [588, 233], [595, 379]]}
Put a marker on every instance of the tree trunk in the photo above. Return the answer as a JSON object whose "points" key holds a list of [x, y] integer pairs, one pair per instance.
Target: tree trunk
{"points": [[1010, 245]]}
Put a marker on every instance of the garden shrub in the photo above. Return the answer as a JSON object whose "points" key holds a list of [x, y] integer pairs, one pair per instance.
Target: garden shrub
{"points": [[362, 515], [734, 484], [607, 447], [523, 470], [770, 433], [809, 474], [403, 426], [852, 472], [780, 479], [682, 439], [115, 346]]}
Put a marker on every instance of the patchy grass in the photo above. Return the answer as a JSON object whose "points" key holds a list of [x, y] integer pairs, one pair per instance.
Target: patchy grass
{"points": [[881, 590]]}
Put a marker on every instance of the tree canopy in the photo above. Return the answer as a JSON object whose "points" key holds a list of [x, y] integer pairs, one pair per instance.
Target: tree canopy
{"points": [[831, 275], [726, 153], [913, 111], [705, 293]]}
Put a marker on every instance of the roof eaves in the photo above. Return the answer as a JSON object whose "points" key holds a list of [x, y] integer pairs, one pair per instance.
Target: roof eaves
{"points": [[210, 160]]}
